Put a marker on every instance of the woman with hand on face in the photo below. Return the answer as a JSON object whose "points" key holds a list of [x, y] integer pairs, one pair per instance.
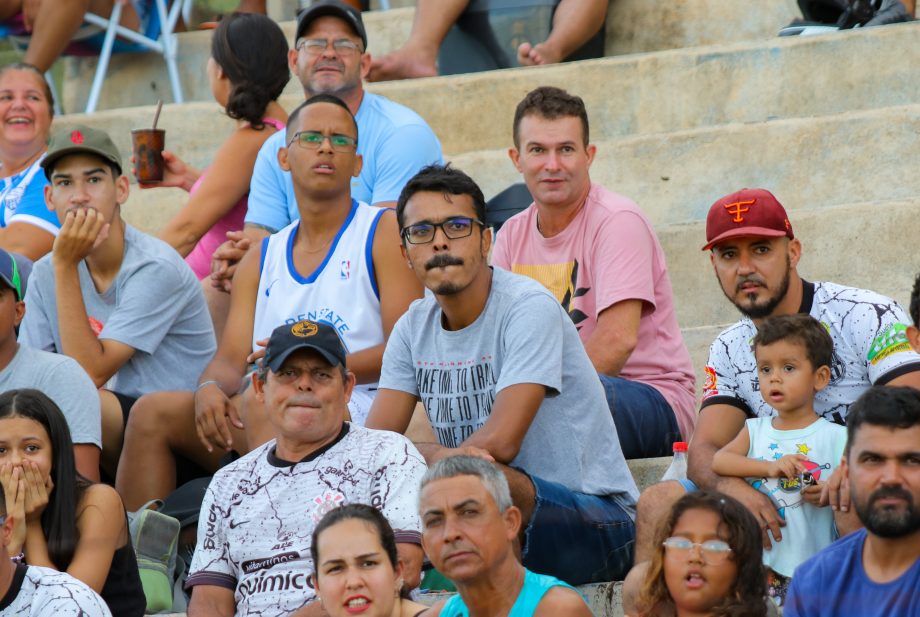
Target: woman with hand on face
{"points": [[63, 521], [357, 571], [27, 226], [248, 70], [708, 562]]}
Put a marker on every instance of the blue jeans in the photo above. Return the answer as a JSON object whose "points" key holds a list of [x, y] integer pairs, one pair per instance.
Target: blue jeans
{"points": [[576, 537], [645, 421]]}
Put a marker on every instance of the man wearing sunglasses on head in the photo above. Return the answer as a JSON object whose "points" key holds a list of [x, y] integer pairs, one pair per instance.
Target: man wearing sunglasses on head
{"points": [[330, 57], [498, 366], [339, 263]]}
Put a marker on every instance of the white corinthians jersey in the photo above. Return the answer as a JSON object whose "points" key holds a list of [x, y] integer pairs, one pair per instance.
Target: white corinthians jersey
{"points": [[870, 347], [259, 512], [341, 292], [44, 592]]}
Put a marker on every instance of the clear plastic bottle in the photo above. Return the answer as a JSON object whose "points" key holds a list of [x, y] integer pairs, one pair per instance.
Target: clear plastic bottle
{"points": [[678, 468]]}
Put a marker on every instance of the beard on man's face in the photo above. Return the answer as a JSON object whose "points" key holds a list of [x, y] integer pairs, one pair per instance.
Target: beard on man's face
{"points": [[887, 521], [765, 308]]}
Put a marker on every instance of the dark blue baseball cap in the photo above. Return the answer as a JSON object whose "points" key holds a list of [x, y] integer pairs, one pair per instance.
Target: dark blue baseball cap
{"points": [[12, 275]]}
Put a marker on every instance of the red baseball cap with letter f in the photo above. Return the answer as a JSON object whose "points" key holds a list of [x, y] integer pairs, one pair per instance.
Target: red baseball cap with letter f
{"points": [[748, 212]]}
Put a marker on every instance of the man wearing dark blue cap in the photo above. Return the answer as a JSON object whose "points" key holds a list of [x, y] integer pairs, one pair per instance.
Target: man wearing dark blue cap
{"points": [[60, 377], [253, 551]]}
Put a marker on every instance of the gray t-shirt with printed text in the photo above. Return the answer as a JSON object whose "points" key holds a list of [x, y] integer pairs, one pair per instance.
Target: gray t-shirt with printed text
{"points": [[522, 336]]}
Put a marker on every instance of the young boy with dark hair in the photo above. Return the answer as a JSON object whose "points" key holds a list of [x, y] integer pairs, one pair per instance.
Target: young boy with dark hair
{"points": [[784, 455]]}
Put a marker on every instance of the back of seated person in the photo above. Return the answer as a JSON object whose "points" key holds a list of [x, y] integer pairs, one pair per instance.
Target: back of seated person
{"points": [[60, 377], [121, 303]]}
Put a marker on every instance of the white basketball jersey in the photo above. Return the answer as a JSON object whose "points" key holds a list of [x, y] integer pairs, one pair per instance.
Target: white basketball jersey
{"points": [[341, 292]]}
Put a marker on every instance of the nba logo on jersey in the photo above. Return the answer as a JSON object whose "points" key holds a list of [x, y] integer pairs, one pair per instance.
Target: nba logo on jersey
{"points": [[345, 272]]}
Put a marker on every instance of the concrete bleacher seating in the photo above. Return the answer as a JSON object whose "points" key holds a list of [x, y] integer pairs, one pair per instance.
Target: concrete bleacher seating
{"points": [[697, 99]]}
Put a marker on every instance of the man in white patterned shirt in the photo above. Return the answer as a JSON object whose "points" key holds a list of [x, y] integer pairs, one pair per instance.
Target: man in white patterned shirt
{"points": [[253, 552]]}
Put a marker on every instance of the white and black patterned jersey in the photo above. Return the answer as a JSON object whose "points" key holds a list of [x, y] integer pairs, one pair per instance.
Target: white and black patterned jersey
{"points": [[43, 592], [870, 347], [259, 512]]}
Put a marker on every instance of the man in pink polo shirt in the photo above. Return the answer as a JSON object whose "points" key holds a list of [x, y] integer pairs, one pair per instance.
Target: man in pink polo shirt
{"points": [[597, 252]]}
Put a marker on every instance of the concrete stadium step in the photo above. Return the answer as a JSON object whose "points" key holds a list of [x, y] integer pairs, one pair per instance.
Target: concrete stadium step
{"points": [[635, 95], [633, 26], [807, 162]]}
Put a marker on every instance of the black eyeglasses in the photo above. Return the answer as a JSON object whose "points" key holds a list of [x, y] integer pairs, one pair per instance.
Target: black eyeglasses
{"points": [[454, 228], [314, 139]]}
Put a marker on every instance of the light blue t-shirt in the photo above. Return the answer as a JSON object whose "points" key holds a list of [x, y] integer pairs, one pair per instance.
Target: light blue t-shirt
{"points": [[808, 528], [535, 587], [22, 200], [834, 583], [394, 141]]}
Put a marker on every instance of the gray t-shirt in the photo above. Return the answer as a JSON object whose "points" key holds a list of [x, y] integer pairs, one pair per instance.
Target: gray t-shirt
{"points": [[65, 382], [522, 336], [155, 305]]}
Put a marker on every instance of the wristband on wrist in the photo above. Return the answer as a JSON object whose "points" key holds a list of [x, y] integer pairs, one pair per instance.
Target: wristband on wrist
{"points": [[21, 557], [206, 383]]}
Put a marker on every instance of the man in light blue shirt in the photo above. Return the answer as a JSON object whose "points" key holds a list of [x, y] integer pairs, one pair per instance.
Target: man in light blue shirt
{"points": [[329, 57]]}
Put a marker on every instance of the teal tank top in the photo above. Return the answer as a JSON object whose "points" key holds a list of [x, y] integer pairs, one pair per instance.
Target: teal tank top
{"points": [[535, 587]]}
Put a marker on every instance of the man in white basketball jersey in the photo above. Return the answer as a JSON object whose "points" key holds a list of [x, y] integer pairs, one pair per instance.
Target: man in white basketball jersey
{"points": [[339, 264]]}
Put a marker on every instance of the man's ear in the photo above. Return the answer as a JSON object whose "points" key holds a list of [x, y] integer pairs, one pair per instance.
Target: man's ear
{"points": [[512, 519], [359, 164], [366, 61], [122, 189], [515, 157], [20, 313], [258, 386], [913, 337], [795, 252], [283, 159], [6, 530]]}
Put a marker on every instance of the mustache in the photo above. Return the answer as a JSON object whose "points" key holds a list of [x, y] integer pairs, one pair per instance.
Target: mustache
{"points": [[441, 260], [891, 491], [330, 63], [749, 279]]}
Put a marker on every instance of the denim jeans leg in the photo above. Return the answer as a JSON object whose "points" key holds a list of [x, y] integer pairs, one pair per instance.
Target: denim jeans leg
{"points": [[645, 422]]}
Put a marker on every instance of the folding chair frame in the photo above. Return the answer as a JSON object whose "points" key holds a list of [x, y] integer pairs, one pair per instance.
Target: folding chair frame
{"points": [[165, 45]]}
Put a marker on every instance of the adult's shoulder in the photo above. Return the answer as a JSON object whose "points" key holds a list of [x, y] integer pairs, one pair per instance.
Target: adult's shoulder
{"points": [[379, 440], [243, 466], [832, 557], [832, 293], [149, 250], [604, 201], [740, 331], [382, 110], [517, 286]]}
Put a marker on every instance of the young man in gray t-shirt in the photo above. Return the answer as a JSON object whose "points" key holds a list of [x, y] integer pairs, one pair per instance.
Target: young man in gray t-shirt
{"points": [[121, 303], [502, 374]]}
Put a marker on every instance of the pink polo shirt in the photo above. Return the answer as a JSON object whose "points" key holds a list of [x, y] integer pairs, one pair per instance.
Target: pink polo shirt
{"points": [[609, 253]]}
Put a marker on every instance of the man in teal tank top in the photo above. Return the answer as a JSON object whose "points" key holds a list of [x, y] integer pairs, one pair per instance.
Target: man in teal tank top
{"points": [[469, 530]]}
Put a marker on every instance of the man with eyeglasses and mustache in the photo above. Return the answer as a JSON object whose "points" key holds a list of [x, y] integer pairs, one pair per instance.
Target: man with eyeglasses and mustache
{"points": [[755, 255], [330, 57], [875, 571], [339, 263], [499, 368]]}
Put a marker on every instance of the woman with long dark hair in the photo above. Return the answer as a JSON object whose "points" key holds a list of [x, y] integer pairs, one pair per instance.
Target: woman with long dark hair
{"points": [[709, 561], [63, 521]]}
